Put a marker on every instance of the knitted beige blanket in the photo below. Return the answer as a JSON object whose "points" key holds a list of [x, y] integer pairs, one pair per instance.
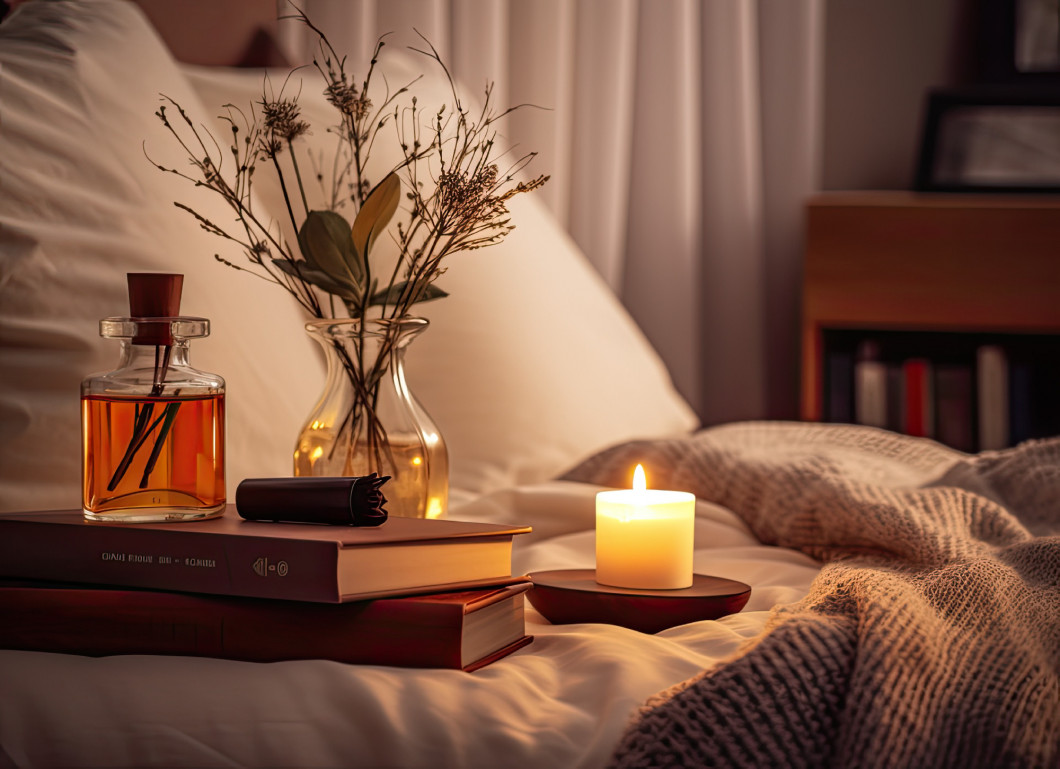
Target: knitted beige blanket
{"points": [[931, 637]]}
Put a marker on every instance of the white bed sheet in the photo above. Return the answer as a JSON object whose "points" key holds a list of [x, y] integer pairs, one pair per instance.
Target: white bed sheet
{"points": [[563, 701]]}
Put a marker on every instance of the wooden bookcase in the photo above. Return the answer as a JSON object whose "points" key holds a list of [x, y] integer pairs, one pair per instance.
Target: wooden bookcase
{"points": [[900, 261]]}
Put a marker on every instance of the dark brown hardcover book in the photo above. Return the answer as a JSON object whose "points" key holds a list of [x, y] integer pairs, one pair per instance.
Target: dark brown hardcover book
{"points": [[231, 556], [463, 630]]}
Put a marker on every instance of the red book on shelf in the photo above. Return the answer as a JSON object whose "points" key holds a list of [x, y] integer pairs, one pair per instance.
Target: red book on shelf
{"points": [[231, 556], [463, 630], [919, 401]]}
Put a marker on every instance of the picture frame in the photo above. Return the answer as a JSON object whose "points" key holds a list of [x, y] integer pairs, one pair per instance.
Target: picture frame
{"points": [[991, 139], [1019, 41]]}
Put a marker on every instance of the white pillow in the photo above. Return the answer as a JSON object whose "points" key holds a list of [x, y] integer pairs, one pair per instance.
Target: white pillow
{"points": [[531, 364], [81, 206]]}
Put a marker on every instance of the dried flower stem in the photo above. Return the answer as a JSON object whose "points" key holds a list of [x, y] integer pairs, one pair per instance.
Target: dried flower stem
{"points": [[455, 199]]}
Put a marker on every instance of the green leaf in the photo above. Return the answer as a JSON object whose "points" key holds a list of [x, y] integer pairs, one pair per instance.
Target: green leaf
{"points": [[375, 214], [303, 271], [393, 294], [327, 247]]}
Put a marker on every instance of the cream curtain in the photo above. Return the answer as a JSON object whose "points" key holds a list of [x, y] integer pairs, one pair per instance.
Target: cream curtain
{"points": [[682, 137]]}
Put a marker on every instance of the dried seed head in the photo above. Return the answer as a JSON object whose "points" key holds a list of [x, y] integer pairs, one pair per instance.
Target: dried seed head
{"points": [[281, 118], [470, 196], [344, 97]]}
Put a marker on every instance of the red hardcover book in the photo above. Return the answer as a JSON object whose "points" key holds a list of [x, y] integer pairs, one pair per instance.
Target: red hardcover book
{"points": [[231, 556], [464, 630], [919, 402]]}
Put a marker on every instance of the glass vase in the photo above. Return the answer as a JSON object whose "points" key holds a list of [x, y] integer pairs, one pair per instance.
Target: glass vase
{"points": [[368, 421]]}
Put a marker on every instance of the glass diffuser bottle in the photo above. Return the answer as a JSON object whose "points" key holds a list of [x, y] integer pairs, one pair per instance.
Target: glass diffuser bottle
{"points": [[152, 430]]}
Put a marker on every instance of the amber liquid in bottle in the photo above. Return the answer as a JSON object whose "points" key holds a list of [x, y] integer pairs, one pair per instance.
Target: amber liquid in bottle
{"points": [[147, 458], [152, 430]]}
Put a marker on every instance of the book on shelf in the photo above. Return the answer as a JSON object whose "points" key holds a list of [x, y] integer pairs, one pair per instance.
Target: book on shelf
{"points": [[1034, 408], [895, 397], [839, 405], [1021, 402], [464, 630], [918, 403], [954, 407], [231, 556], [870, 386], [992, 398]]}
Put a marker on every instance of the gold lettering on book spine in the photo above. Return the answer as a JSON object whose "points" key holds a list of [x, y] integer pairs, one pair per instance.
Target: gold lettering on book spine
{"points": [[205, 563]]}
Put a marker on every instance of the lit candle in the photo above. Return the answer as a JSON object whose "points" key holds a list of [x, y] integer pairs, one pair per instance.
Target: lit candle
{"points": [[644, 537]]}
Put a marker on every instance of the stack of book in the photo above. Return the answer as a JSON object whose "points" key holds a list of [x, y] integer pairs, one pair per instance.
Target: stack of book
{"points": [[412, 592]]}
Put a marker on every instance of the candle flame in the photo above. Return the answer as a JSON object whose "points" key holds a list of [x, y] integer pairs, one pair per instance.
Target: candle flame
{"points": [[640, 483]]}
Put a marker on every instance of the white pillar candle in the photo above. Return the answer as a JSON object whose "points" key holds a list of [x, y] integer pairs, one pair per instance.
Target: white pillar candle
{"points": [[644, 537]]}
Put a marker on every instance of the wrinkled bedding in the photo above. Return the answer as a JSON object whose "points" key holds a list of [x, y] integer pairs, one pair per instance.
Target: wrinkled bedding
{"points": [[904, 609], [930, 638], [563, 701]]}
